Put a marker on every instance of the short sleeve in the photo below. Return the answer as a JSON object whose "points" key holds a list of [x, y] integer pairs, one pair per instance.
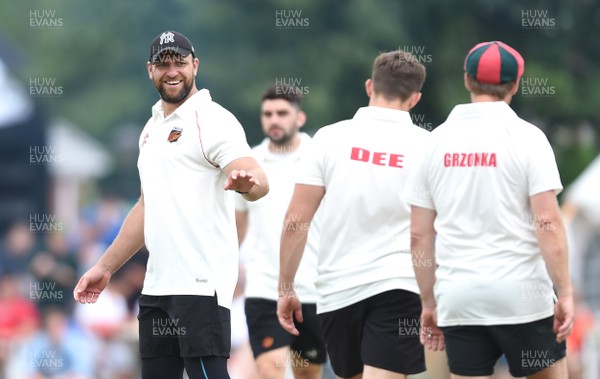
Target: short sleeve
{"points": [[222, 136], [143, 135], [417, 189], [311, 166], [542, 171]]}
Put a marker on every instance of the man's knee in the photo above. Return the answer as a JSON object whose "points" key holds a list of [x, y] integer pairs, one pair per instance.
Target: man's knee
{"points": [[557, 370], [305, 370], [272, 364]]}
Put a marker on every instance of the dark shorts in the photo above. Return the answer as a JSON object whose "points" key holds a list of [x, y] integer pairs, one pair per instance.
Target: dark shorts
{"points": [[381, 331], [529, 348], [267, 334], [184, 326]]}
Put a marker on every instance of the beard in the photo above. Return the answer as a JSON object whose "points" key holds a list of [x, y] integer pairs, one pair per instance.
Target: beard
{"points": [[178, 97], [284, 138]]}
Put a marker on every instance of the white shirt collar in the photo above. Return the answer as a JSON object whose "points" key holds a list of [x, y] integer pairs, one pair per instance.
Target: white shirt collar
{"points": [[486, 108], [264, 146], [386, 114], [183, 110]]}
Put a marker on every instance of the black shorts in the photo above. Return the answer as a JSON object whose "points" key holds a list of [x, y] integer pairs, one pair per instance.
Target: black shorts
{"points": [[381, 331], [183, 325], [529, 348], [267, 334]]}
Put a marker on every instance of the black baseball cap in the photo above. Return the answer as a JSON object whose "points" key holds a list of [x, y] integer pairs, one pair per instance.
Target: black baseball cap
{"points": [[170, 41]]}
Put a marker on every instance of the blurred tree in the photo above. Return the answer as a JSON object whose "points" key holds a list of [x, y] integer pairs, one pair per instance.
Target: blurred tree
{"points": [[100, 51]]}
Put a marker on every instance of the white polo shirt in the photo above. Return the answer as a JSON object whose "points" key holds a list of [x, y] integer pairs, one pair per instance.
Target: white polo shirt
{"points": [[266, 218], [189, 223], [481, 167], [365, 237]]}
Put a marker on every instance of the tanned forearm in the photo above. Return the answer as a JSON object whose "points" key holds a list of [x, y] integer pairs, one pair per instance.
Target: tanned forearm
{"points": [[424, 264], [256, 192], [422, 237], [552, 240], [293, 242], [305, 202]]}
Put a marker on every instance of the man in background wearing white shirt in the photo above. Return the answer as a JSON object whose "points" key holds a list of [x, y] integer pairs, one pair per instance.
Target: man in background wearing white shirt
{"points": [[487, 186], [261, 222], [354, 173]]}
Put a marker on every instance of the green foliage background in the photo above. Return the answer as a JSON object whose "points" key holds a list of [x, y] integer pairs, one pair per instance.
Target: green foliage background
{"points": [[99, 56]]}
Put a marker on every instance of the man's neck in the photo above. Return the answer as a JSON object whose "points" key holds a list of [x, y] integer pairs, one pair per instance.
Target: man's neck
{"points": [[382, 102], [289, 147], [169, 108], [484, 98]]}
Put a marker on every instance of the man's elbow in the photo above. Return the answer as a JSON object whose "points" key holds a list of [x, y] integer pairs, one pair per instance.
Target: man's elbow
{"points": [[265, 188], [548, 223], [419, 236]]}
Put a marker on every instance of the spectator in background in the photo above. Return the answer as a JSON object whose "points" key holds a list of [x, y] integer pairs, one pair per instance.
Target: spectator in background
{"points": [[129, 280], [19, 317], [97, 229], [54, 269], [101, 221], [108, 319], [59, 351], [17, 249]]}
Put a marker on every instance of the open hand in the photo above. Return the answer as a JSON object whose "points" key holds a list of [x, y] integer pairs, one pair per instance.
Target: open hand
{"points": [[241, 181], [91, 284]]}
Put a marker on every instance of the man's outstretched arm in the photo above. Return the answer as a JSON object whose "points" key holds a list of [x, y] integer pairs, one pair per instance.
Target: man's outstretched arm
{"points": [[247, 177]]}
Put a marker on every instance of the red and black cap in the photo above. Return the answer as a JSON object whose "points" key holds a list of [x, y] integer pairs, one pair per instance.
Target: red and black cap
{"points": [[170, 41], [494, 62]]}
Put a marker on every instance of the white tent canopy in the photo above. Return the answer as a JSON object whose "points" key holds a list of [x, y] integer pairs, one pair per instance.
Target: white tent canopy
{"points": [[75, 154], [73, 158], [15, 105]]}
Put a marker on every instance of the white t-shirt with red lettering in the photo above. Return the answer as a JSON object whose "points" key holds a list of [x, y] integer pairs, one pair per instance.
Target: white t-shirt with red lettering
{"points": [[478, 172], [365, 238]]}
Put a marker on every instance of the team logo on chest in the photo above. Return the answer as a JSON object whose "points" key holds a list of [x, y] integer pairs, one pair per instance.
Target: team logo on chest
{"points": [[175, 134]]}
